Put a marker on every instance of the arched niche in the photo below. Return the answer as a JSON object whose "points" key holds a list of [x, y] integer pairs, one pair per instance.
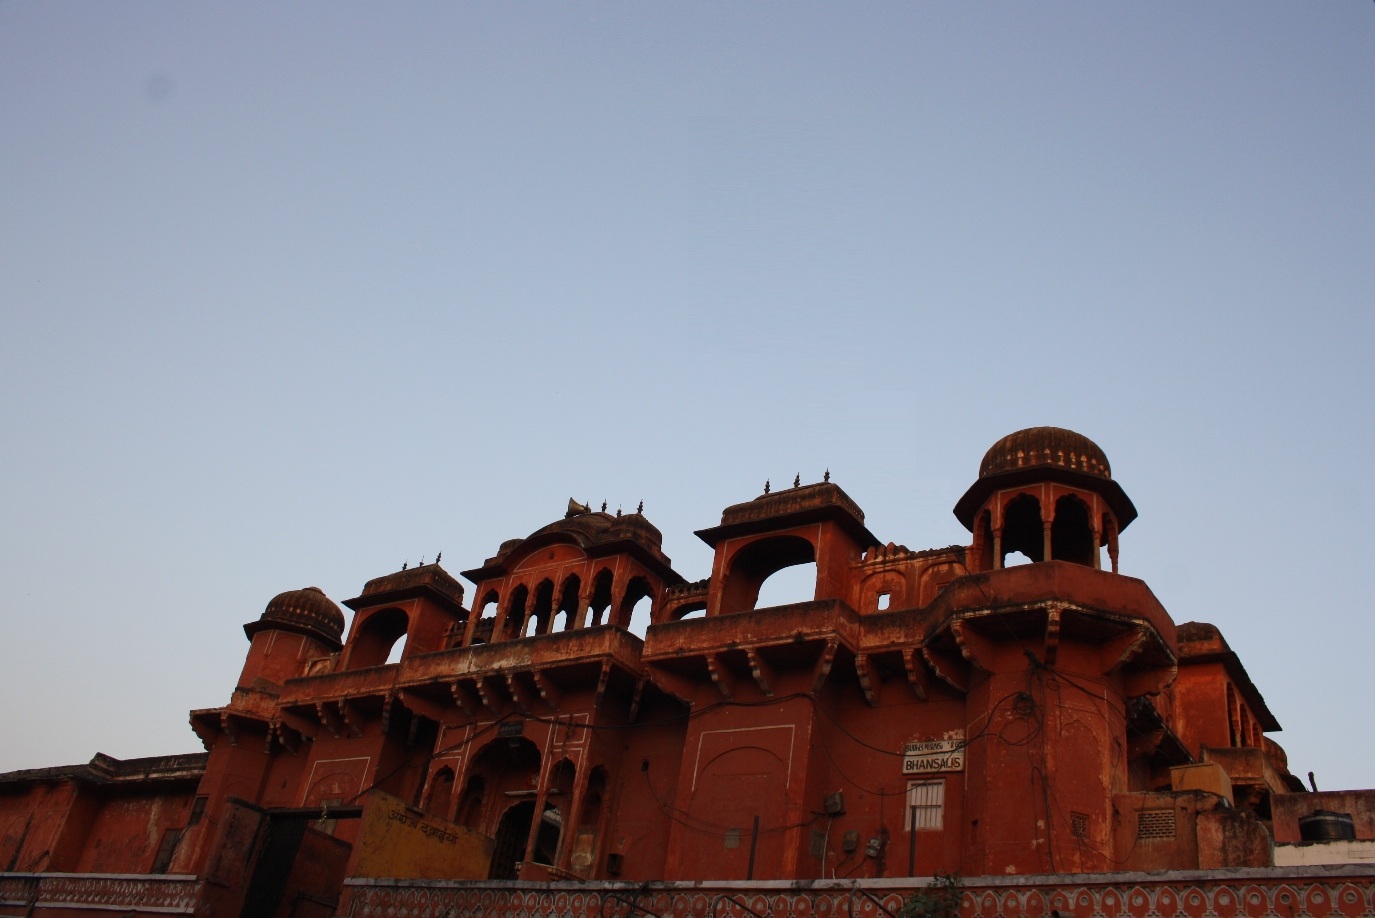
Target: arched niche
{"points": [[470, 806], [757, 562], [439, 795], [882, 591]]}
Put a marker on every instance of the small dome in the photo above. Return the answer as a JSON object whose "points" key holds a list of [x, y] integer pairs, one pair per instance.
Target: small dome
{"points": [[309, 611], [633, 524], [1053, 446], [1045, 454]]}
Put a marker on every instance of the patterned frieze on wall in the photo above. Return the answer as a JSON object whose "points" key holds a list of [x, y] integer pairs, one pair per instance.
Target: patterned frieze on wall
{"points": [[124, 893], [1341, 892]]}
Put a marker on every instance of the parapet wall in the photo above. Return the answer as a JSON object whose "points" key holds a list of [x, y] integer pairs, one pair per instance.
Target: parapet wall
{"points": [[1344, 890], [1255, 892]]}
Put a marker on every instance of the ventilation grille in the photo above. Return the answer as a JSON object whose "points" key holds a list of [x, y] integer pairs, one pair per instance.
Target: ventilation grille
{"points": [[1079, 825], [1153, 824]]}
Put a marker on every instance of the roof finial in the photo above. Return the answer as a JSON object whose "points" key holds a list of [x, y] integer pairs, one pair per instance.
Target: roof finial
{"points": [[766, 486], [603, 506], [827, 476], [641, 508], [438, 556], [618, 513], [422, 561], [405, 564], [797, 480]]}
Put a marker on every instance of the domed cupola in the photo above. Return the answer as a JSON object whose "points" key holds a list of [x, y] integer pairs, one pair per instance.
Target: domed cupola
{"points": [[308, 611], [1048, 493]]}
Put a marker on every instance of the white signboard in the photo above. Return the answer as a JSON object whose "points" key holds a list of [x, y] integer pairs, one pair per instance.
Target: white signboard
{"points": [[925, 756]]}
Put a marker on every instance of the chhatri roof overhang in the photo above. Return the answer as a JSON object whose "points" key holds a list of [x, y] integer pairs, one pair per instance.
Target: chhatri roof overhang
{"points": [[1039, 454], [597, 534], [790, 507]]}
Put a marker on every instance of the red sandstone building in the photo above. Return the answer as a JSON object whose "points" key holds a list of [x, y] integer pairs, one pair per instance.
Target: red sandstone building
{"points": [[926, 711]]}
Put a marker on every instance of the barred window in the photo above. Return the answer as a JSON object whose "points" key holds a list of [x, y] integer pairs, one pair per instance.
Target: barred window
{"points": [[925, 803]]}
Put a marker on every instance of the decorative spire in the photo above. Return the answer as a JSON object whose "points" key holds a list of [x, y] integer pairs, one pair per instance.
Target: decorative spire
{"points": [[438, 556], [827, 476], [405, 564], [766, 486], [618, 513], [603, 506], [797, 480], [640, 509]]}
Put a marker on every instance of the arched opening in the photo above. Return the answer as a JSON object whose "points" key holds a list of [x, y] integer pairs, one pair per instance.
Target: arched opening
{"points": [[515, 613], [379, 639], [635, 605], [542, 613], [601, 597], [1022, 529], [795, 583], [486, 614], [513, 832], [513, 835], [441, 793], [759, 561], [470, 807], [568, 604], [689, 610], [1071, 534]]}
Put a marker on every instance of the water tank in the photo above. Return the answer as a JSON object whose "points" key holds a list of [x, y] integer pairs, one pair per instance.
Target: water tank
{"points": [[1325, 825]]}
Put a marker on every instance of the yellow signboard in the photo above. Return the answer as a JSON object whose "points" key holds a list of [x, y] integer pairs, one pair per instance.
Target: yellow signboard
{"points": [[398, 841]]}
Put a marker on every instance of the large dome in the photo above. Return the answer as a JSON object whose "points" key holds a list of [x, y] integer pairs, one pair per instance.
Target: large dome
{"points": [[307, 611], [1053, 446]]}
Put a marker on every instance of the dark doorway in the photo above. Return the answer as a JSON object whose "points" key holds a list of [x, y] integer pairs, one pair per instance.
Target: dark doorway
{"points": [[299, 869], [512, 835]]}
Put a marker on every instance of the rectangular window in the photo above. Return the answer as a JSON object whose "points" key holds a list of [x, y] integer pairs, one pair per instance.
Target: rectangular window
{"points": [[925, 805], [197, 811], [163, 859]]}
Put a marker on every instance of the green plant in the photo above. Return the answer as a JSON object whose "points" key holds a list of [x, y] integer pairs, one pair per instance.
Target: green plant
{"points": [[940, 899]]}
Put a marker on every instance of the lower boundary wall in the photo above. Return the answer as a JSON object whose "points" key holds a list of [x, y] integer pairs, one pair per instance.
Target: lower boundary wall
{"points": [[1342, 890]]}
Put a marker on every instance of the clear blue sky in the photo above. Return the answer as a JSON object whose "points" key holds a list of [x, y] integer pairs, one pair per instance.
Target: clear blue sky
{"points": [[293, 293]]}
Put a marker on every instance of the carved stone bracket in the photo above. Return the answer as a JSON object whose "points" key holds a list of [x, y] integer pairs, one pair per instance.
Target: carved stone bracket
{"points": [[548, 691], [913, 670], [721, 675], [761, 671], [868, 678], [823, 665]]}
